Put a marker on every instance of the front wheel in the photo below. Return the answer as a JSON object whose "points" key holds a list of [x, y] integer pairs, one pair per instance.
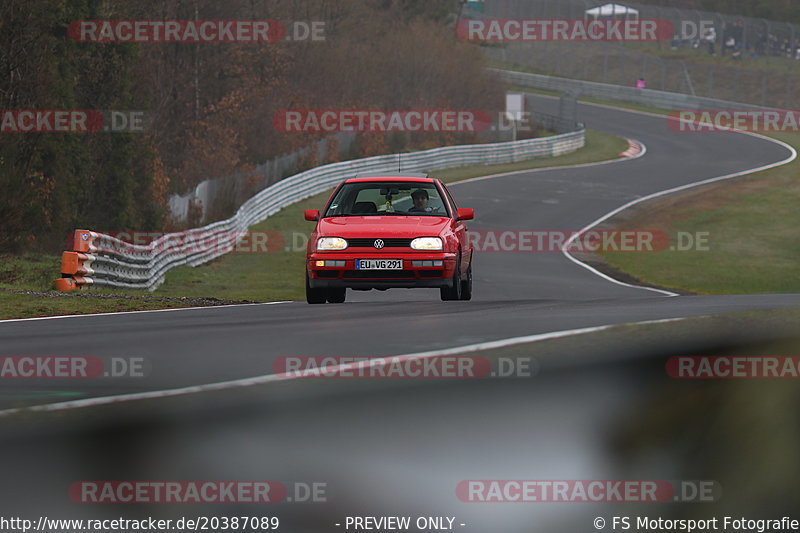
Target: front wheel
{"points": [[336, 296], [453, 292], [314, 296]]}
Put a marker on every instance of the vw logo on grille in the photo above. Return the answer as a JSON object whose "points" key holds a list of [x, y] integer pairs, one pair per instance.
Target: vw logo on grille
{"points": [[378, 244]]}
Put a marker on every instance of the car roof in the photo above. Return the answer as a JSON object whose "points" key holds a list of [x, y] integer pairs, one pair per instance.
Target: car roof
{"points": [[397, 176]]}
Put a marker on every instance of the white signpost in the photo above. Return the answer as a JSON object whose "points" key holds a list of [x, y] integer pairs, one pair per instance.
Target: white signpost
{"points": [[515, 110]]}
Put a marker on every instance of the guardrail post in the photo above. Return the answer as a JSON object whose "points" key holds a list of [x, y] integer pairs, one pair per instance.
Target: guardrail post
{"points": [[688, 78]]}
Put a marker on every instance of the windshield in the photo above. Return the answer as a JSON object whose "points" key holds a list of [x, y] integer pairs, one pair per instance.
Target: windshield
{"points": [[382, 198]]}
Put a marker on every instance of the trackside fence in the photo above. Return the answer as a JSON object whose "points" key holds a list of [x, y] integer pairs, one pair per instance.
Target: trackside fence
{"points": [[591, 89]]}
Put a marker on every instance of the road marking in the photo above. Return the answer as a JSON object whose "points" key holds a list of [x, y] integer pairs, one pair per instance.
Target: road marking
{"points": [[144, 311], [564, 249], [788, 160], [271, 378]]}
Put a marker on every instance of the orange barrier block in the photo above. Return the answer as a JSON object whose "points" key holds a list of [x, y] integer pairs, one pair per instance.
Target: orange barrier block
{"points": [[72, 284], [81, 240], [66, 284], [72, 263], [75, 262]]}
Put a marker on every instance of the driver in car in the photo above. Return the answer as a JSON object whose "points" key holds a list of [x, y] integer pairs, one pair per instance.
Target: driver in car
{"points": [[420, 199]]}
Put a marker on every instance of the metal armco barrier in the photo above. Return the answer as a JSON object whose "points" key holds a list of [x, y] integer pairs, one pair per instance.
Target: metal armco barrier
{"points": [[99, 259], [605, 91]]}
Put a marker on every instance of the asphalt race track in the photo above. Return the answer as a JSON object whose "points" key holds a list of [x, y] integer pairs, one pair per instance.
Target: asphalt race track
{"points": [[515, 294]]}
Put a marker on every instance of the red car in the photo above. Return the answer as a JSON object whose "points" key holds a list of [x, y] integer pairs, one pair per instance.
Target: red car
{"points": [[387, 231]]}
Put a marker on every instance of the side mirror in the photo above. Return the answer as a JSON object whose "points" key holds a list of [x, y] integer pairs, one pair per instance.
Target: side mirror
{"points": [[465, 213], [312, 215]]}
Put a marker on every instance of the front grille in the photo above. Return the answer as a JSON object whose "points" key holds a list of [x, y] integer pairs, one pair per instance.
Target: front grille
{"points": [[377, 274], [327, 273], [430, 273], [388, 243]]}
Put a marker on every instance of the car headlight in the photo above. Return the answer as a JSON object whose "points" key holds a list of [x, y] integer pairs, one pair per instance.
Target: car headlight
{"points": [[331, 243], [427, 243]]}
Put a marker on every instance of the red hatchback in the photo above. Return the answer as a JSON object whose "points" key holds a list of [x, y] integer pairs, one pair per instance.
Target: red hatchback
{"points": [[387, 231]]}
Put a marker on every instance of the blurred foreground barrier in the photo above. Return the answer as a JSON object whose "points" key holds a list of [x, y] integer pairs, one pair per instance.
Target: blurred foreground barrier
{"points": [[100, 259]]}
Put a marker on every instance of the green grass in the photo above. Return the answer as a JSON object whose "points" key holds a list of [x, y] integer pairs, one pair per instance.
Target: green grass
{"points": [[750, 222], [751, 228], [26, 280], [26, 291], [264, 277], [22, 274], [25, 305]]}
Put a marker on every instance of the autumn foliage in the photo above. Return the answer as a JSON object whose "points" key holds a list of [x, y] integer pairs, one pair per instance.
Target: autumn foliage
{"points": [[209, 105]]}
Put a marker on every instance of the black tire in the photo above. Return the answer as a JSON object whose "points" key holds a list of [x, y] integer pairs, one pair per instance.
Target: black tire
{"points": [[466, 284], [314, 296], [453, 292], [336, 296]]}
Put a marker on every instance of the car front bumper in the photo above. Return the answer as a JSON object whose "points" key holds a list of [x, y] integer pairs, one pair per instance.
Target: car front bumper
{"points": [[412, 274]]}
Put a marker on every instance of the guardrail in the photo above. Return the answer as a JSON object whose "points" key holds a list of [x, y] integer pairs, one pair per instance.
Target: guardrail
{"points": [[651, 97], [101, 259]]}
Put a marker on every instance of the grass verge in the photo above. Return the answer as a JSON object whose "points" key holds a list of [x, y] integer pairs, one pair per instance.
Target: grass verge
{"points": [[749, 229], [748, 225]]}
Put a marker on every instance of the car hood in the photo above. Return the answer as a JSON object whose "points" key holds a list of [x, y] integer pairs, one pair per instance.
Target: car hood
{"points": [[382, 226]]}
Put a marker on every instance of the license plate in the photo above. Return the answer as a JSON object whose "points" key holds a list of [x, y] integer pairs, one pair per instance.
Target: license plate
{"points": [[379, 264]]}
